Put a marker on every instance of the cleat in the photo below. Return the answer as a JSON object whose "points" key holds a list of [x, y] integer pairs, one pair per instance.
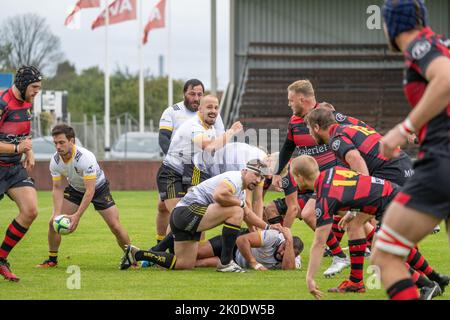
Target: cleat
{"points": [[327, 253], [349, 286], [436, 229], [47, 264], [337, 266], [428, 293], [128, 259], [5, 271], [443, 281], [231, 267]]}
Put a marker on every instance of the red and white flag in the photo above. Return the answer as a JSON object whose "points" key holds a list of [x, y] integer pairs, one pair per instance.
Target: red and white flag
{"points": [[81, 4], [157, 19], [119, 11]]}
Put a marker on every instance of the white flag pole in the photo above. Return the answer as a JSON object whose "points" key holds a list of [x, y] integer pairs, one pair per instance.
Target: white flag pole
{"points": [[169, 53], [141, 72], [107, 91]]}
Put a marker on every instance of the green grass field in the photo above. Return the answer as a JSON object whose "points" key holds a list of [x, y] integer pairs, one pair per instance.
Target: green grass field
{"points": [[93, 248]]}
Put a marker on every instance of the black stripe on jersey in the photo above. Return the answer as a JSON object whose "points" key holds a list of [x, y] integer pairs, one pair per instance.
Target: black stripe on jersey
{"points": [[56, 158], [78, 155], [176, 107]]}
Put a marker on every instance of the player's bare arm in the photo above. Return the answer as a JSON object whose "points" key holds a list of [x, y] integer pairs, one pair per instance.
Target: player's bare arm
{"points": [[356, 162], [224, 195], [245, 243]]}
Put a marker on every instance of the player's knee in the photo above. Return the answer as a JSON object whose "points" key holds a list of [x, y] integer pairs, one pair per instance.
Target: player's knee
{"points": [[30, 213], [390, 245]]}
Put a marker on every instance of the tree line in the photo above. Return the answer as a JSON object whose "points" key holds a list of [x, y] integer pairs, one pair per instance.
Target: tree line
{"points": [[27, 39]]}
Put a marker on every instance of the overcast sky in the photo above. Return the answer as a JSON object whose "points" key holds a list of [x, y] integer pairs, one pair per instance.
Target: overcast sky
{"points": [[190, 37]]}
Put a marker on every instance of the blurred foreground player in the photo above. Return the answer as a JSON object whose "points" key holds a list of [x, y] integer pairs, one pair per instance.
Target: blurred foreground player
{"points": [[424, 200]]}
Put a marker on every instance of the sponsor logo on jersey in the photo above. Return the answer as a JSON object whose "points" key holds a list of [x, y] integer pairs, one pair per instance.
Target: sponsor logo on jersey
{"points": [[285, 182], [311, 151], [318, 213], [378, 180], [420, 49], [340, 117], [336, 144]]}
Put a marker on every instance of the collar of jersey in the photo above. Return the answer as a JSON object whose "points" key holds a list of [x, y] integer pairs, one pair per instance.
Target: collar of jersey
{"points": [[74, 150], [203, 123]]}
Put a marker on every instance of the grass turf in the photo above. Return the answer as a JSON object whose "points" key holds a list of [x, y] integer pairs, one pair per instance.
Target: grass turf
{"points": [[94, 250]]}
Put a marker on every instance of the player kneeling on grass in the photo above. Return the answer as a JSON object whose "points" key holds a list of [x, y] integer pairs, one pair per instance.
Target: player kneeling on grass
{"points": [[216, 201], [260, 250], [87, 183]]}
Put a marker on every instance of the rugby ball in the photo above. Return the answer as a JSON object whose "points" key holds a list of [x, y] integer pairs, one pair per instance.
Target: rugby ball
{"points": [[61, 224]]}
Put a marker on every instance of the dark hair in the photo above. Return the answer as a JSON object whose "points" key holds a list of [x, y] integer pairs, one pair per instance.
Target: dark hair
{"points": [[64, 129], [193, 83], [320, 116], [298, 244]]}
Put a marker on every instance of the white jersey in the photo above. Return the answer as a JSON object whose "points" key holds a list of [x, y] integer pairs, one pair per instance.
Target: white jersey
{"points": [[203, 193], [265, 255], [182, 149], [173, 117], [81, 166], [232, 157]]}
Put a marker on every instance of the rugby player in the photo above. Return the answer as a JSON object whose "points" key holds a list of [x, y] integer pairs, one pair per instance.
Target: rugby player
{"points": [[171, 119], [218, 200], [424, 200], [260, 250], [178, 171], [15, 117], [87, 184]]}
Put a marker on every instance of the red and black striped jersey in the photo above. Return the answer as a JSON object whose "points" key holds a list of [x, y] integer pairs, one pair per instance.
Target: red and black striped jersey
{"points": [[341, 189], [15, 123], [298, 133], [344, 138], [426, 47]]}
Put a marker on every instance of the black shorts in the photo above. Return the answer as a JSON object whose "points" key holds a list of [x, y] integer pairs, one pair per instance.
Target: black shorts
{"points": [[396, 171], [184, 222], [14, 177], [302, 199], [216, 243], [193, 176], [170, 184], [102, 199], [428, 190]]}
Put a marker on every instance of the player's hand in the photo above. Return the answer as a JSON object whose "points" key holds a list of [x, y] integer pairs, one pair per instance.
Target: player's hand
{"points": [[343, 223], [277, 183], [258, 266], [286, 233], [25, 145], [314, 289], [276, 226], [236, 127], [390, 143], [412, 139], [74, 220], [29, 161]]}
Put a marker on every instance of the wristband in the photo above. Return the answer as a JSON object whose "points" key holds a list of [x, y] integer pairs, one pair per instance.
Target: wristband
{"points": [[403, 131], [408, 126], [267, 227]]}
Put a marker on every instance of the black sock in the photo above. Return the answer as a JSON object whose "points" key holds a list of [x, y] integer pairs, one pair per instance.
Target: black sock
{"points": [[163, 259], [164, 244], [424, 282], [53, 256], [230, 233]]}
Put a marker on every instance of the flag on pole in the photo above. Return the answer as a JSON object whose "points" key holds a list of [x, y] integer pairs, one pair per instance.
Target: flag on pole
{"points": [[81, 4], [157, 19], [119, 11]]}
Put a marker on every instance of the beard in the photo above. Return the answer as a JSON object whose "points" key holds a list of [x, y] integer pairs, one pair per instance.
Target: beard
{"points": [[191, 107]]}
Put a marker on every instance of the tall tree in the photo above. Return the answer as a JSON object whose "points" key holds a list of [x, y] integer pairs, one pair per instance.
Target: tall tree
{"points": [[31, 42]]}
